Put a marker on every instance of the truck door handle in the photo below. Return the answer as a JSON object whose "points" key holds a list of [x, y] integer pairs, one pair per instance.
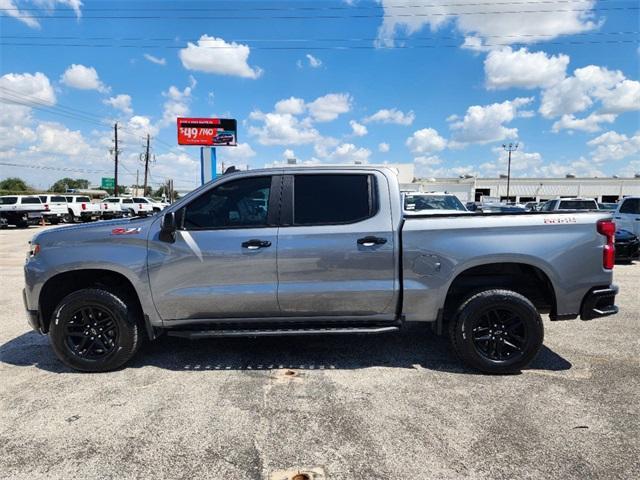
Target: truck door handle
{"points": [[370, 241], [254, 244]]}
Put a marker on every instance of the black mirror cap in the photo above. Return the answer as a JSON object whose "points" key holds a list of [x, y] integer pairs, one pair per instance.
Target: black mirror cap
{"points": [[168, 227]]}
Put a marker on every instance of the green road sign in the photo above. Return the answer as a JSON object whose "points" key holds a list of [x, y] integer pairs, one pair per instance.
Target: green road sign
{"points": [[108, 182]]}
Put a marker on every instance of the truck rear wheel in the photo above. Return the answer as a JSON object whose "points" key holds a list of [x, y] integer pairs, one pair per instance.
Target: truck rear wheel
{"points": [[497, 331], [94, 330]]}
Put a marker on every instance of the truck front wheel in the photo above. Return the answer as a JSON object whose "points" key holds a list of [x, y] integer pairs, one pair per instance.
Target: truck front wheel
{"points": [[496, 331], [94, 330]]}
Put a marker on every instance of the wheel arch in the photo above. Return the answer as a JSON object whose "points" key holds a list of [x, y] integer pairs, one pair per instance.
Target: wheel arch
{"points": [[529, 280], [62, 284]]}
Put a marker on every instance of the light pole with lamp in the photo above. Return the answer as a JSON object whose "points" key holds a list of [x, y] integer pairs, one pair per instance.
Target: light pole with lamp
{"points": [[512, 147]]}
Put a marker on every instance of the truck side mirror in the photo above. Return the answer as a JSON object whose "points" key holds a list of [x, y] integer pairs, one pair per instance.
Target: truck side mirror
{"points": [[168, 227]]}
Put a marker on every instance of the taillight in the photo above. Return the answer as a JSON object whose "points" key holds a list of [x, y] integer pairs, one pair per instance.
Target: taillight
{"points": [[140, 206], [608, 229], [84, 206]]}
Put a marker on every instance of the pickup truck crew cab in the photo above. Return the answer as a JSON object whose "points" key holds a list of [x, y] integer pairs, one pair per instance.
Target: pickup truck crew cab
{"points": [[21, 210], [302, 251]]}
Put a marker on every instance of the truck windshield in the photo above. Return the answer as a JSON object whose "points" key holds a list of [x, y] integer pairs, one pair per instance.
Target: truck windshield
{"points": [[31, 200], [58, 199], [578, 205], [83, 199], [433, 202], [111, 200]]}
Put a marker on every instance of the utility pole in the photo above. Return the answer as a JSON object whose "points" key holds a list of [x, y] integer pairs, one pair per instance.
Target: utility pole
{"points": [[137, 182], [146, 168], [115, 154], [512, 147]]}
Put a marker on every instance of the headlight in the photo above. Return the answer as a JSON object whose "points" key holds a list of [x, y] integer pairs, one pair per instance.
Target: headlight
{"points": [[34, 250]]}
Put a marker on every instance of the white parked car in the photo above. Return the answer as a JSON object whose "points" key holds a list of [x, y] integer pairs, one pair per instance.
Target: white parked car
{"points": [[432, 203], [55, 208], [569, 204], [627, 215], [79, 207]]}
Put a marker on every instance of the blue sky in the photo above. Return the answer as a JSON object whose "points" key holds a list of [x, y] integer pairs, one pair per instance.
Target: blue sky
{"points": [[430, 82]]}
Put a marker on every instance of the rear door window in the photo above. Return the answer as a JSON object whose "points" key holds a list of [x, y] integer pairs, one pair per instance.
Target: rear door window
{"points": [[83, 199], [631, 205], [30, 200], [578, 205], [329, 199], [8, 200]]}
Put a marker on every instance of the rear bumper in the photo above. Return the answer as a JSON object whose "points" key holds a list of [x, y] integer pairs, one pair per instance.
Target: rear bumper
{"points": [[599, 302]]}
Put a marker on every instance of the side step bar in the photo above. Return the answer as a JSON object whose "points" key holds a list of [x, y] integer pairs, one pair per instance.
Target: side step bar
{"points": [[197, 334]]}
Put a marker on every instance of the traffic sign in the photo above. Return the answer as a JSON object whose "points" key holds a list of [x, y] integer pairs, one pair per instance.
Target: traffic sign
{"points": [[211, 132], [108, 182]]}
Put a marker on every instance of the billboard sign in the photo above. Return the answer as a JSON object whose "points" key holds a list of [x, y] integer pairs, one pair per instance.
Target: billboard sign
{"points": [[108, 183], [208, 132]]}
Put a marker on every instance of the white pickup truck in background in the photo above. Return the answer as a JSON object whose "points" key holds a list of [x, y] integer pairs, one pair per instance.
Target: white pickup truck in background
{"points": [[55, 208], [627, 215], [20, 210], [131, 207], [80, 207], [110, 208]]}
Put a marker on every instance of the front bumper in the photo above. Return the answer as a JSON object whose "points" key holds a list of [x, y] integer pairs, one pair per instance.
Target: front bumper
{"points": [[599, 302], [33, 316]]}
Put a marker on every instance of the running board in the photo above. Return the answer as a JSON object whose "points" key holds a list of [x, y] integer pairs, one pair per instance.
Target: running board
{"points": [[197, 334]]}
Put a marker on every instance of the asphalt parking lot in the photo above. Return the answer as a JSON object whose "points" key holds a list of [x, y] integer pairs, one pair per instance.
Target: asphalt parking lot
{"points": [[396, 407]]}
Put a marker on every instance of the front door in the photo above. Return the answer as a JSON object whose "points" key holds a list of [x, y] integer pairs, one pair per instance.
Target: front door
{"points": [[223, 261], [336, 256]]}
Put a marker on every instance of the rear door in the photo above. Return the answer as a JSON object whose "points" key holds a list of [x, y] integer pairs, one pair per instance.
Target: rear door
{"points": [[223, 261], [336, 246], [628, 215]]}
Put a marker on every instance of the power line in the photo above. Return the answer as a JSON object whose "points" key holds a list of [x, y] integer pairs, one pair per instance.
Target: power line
{"points": [[305, 40], [319, 17], [335, 47]]}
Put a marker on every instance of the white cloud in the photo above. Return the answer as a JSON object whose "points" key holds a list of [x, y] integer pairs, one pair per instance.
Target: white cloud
{"points": [[499, 28], [577, 92], [427, 140], [214, 55], [120, 102], [384, 147], [24, 16], [177, 104], [140, 126], [314, 62], [614, 146], [288, 154], [156, 60], [349, 153], [55, 138], [83, 78], [359, 130], [329, 107], [484, 124], [26, 88], [282, 129], [506, 68], [292, 105], [233, 154], [392, 115], [625, 97], [590, 123]]}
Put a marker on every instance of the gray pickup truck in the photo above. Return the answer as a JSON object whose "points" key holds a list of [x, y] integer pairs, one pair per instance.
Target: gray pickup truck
{"points": [[306, 251]]}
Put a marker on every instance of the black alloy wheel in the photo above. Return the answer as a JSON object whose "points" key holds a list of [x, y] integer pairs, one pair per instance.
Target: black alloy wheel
{"points": [[96, 330], [499, 334], [496, 331], [91, 333]]}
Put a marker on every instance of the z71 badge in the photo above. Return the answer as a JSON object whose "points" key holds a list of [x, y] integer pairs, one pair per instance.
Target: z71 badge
{"points": [[555, 220], [125, 231]]}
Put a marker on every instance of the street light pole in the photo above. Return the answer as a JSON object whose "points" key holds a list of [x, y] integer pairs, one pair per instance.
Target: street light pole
{"points": [[512, 147]]}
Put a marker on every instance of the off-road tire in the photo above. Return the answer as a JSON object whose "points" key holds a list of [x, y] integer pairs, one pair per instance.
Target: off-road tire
{"points": [[126, 340], [474, 313]]}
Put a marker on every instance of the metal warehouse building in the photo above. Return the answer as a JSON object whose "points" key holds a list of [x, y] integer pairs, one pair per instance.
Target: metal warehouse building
{"points": [[531, 189]]}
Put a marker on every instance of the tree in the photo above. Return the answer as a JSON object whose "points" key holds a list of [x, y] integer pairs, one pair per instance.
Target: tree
{"points": [[14, 184], [63, 184]]}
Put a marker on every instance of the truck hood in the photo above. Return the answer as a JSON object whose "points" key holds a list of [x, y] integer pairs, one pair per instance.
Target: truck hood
{"points": [[138, 226]]}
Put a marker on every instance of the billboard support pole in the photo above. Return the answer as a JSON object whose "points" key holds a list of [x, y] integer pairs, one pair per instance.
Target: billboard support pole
{"points": [[207, 164]]}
